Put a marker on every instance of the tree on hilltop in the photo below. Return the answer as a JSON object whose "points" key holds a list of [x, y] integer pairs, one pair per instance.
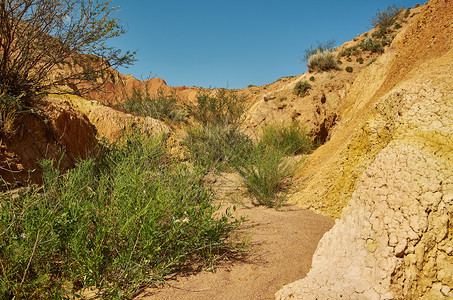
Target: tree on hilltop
{"points": [[40, 39]]}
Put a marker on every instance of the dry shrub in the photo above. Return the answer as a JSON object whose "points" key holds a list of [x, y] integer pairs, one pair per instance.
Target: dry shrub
{"points": [[323, 61]]}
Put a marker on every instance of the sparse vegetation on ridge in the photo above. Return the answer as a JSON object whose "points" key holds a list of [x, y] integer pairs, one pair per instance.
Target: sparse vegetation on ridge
{"points": [[371, 61], [386, 18], [370, 44]]}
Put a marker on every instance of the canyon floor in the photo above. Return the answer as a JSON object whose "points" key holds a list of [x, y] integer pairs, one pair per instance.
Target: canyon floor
{"points": [[281, 243]]}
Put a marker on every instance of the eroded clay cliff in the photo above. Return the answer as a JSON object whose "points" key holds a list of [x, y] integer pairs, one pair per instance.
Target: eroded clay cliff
{"points": [[388, 171]]}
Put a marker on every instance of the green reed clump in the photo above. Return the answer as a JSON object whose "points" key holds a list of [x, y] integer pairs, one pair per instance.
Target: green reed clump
{"points": [[290, 140]]}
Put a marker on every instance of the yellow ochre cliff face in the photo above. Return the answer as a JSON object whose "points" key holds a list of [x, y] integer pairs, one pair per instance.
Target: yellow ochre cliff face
{"points": [[388, 172], [369, 112]]}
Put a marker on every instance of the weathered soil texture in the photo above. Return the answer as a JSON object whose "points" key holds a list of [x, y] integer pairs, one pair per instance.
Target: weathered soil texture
{"points": [[57, 132], [389, 163], [281, 244]]}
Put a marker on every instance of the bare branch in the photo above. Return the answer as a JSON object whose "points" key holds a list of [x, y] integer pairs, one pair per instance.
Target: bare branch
{"points": [[46, 45]]}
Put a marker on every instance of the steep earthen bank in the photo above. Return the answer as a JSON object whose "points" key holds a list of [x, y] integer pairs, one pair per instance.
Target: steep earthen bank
{"points": [[110, 123], [388, 171], [53, 131]]}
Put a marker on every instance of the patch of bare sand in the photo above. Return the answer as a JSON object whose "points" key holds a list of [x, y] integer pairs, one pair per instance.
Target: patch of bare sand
{"points": [[283, 243]]}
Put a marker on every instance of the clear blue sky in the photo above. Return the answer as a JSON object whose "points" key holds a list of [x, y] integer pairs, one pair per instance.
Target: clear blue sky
{"points": [[210, 43]]}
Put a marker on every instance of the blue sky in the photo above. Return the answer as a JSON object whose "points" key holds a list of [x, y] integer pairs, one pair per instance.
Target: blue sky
{"points": [[234, 43]]}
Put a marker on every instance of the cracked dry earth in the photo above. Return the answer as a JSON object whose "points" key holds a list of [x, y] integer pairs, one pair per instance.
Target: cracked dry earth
{"points": [[283, 243], [396, 232], [394, 238]]}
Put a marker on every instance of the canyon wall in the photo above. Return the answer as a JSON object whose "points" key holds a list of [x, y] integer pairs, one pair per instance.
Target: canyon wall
{"points": [[387, 172]]}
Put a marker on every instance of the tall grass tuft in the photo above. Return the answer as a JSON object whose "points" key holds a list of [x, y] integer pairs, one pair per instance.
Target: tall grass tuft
{"points": [[291, 140], [128, 219], [266, 170], [264, 175]]}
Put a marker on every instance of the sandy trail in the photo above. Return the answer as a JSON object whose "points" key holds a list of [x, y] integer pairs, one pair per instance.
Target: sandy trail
{"points": [[283, 243]]}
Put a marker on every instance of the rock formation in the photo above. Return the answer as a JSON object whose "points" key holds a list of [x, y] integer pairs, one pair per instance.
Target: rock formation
{"points": [[56, 132], [388, 171]]}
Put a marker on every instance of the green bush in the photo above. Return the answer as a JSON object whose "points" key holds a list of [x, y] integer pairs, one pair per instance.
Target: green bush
{"points": [[160, 107], [369, 44], [290, 140], [349, 59], [264, 175], [380, 33], [301, 88], [114, 224], [217, 146], [349, 69], [397, 26], [350, 51], [359, 60], [226, 107], [312, 78], [322, 61], [386, 18]]}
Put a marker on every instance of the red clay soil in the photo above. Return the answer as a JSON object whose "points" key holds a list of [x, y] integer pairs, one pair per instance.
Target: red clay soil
{"points": [[58, 132], [282, 245]]}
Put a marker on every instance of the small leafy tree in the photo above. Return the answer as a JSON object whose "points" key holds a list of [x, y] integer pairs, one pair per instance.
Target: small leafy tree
{"points": [[387, 17], [41, 40]]}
